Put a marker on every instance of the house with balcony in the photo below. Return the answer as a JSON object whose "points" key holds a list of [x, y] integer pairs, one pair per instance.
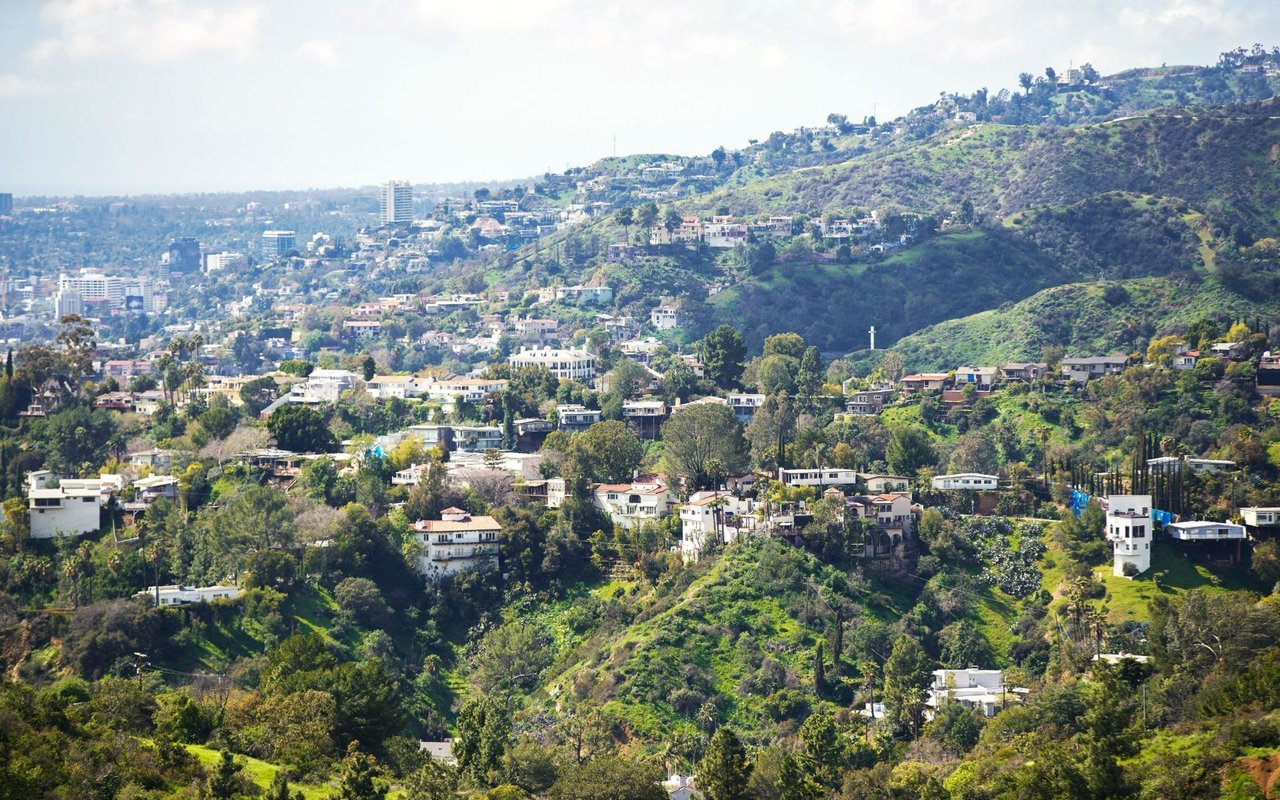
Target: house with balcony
{"points": [[665, 318], [647, 498], [924, 382], [983, 690], [645, 416], [709, 516], [1129, 529], [575, 418], [744, 406], [1022, 372], [1216, 541], [570, 365], [456, 542], [1082, 370], [176, 595]]}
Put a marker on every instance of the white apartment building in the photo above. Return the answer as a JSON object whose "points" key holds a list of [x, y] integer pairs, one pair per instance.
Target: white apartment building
{"points": [[456, 542], [397, 202], [93, 287], [216, 262], [571, 365], [1129, 530]]}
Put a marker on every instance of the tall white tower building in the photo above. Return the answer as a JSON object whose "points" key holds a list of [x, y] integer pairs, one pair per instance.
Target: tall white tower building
{"points": [[397, 202], [1129, 530]]}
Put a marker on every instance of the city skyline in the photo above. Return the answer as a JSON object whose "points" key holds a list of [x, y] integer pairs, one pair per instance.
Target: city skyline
{"points": [[145, 96]]}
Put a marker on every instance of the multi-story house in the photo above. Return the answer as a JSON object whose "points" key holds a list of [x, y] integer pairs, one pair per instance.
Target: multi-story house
{"points": [[65, 508], [646, 499], [456, 542], [570, 365], [576, 418], [1129, 529]]}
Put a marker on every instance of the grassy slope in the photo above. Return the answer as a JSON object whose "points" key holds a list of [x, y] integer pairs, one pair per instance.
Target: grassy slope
{"points": [[1078, 317], [692, 628], [833, 305]]}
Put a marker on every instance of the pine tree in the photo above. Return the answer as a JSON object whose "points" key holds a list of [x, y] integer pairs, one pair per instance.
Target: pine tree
{"points": [[279, 789], [359, 779], [724, 771], [224, 783]]}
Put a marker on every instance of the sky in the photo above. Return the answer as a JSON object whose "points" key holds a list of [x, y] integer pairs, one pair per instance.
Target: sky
{"points": [[108, 97]]}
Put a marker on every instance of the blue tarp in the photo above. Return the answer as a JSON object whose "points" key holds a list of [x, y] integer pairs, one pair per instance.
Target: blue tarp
{"points": [[1163, 517], [1078, 501]]}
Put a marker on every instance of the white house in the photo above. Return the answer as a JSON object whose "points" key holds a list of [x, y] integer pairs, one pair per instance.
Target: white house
{"points": [[386, 387], [448, 391], [827, 476], [575, 418], [1195, 531], [665, 318], [572, 365], [1129, 531], [880, 484], [961, 481], [708, 514], [598, 295], [981, 689], [1261, 517], [174, 595], [71, 508], [456, 542], [646, 499], [744, 405], [327, 385]]}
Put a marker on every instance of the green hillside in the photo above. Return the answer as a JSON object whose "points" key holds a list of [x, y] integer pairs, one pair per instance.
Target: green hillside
{"points": [[1084, 318]]}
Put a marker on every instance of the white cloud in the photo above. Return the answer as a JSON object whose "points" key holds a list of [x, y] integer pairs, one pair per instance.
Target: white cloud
{"points": [[318, 51], [13, 85], [148, 30]]}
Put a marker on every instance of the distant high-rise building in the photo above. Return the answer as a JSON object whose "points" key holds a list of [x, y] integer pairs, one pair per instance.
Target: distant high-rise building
{"points": [[93, 287], [278, 243], [67, 302], [184, 255], [397, 202], [6, 203]]}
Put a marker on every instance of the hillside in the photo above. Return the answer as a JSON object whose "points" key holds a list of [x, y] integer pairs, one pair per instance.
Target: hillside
{"points": [[1084, 318]]}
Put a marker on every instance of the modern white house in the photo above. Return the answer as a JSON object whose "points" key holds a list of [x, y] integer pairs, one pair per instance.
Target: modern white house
{"points": [[456, 542], [962, 481], [176, 595], [597, 295], [744, 405], [981, 689], [880, 484], [1168, 464], [574, 418], [69, 508], [327, 385], [1129, 529], [827, 476], [570, 365]]}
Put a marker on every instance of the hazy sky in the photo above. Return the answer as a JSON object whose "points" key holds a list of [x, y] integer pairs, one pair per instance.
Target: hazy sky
{"points": [[129, 96]]}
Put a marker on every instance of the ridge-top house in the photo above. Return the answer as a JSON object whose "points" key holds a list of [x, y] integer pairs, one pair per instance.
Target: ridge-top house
{"points": [[456, 542]]}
